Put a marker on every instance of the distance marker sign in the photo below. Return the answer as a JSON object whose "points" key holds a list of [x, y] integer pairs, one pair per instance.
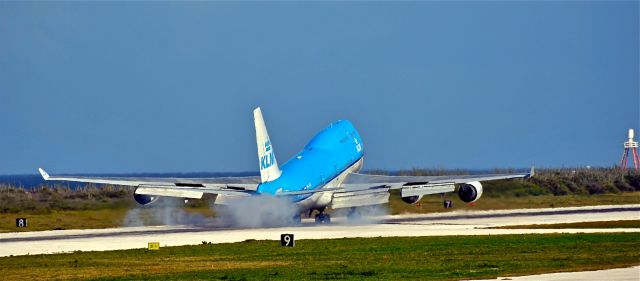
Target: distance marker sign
{"points": [[21, 222], [286, 240], [154, 246]]}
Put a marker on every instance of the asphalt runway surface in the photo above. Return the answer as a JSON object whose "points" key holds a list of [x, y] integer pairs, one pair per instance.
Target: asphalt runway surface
{"points": [[617, 274], [435, 224]]}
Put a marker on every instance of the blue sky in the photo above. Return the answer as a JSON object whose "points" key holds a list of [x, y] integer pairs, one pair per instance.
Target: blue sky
{"points": [[170, 87]]}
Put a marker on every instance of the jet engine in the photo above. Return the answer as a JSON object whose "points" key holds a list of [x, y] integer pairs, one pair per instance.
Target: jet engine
{"points": [[411, 199], [145, 199], [470, 191]]}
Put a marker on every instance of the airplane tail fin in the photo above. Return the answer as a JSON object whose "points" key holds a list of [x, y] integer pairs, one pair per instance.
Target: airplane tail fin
{"points": [[269, 169]]}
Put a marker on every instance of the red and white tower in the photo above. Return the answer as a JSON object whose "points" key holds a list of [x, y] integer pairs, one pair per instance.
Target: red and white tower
{"points": [[632, 145]]}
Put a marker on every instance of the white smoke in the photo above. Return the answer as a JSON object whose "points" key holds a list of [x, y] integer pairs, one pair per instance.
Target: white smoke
{"points": [[133, 217], [165, 211], [259, 211], [250, 212], [363, 215]]}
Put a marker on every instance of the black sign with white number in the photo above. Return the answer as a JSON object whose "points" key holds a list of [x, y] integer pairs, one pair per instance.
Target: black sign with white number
{"points": [[286, 240], [21, 222], [448, 204]]}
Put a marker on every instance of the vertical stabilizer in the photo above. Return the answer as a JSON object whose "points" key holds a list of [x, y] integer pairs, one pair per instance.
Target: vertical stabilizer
{"points": [[269, 169]]}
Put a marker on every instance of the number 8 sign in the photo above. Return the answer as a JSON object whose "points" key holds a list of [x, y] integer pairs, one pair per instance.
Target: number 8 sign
{"points": [[286, 240], [21, 222]]}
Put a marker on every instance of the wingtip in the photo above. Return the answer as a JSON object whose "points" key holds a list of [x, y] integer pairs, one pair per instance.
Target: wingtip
{"points": [[532, 172], [44, 174]]}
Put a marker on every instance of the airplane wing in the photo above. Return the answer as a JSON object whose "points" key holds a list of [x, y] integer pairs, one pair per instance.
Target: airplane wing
{"points": [[395, 182], [363, 190], [359, 182], [177, 187]]}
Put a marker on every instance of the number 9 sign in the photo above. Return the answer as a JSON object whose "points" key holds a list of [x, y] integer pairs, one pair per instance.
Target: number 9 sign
{"points": [[286, 240]]}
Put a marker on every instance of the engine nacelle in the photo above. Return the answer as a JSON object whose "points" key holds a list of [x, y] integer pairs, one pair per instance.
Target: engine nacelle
{"points": [[145, 199], [470, 192], [411, 199]]}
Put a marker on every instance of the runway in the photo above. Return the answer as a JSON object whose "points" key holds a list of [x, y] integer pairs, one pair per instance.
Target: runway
{"points": [[436, 224], [617, 274]]}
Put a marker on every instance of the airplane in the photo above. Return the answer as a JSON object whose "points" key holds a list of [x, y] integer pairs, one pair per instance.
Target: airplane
{"points": [[324, 174]]}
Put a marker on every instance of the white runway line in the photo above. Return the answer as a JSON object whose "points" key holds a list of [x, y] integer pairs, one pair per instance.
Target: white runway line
{"points": [[617, 274], [71, 232], [441, 224]]}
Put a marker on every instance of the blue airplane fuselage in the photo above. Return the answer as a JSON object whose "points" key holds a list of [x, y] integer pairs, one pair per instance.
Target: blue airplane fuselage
{"points": [[329, 153]]}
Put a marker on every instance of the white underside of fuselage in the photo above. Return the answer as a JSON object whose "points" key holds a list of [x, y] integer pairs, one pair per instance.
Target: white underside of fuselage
{"points": [[321, 200]]}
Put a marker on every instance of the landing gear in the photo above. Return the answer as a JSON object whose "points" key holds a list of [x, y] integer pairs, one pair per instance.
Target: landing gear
{"points": [[323, 218]]}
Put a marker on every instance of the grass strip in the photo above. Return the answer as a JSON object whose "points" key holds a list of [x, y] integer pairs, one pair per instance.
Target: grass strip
{"points": [[424, 258]]}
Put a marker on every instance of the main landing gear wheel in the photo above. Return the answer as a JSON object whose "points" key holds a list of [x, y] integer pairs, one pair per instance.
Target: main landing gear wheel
{"points": [[323, 218]]}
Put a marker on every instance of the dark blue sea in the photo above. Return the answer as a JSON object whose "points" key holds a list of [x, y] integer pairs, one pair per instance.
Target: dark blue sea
{"points": [[31, 181]]}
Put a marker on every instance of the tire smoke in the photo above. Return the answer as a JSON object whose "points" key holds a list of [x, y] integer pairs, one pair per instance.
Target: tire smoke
{"points": [[165, 211], [259, 211], [363, 215]]}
